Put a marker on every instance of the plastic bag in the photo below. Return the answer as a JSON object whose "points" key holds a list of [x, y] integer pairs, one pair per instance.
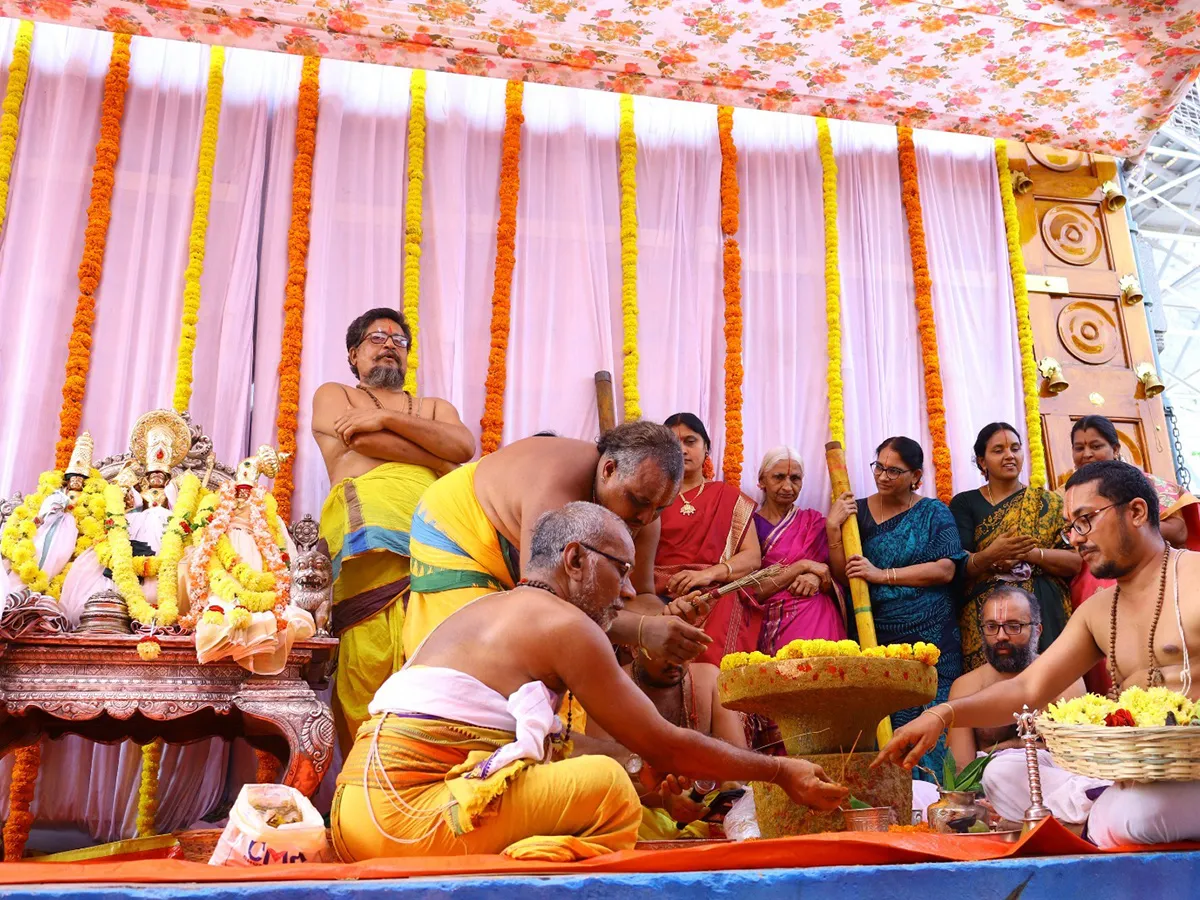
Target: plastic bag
{"points": [[741, 822], [250, 838]]}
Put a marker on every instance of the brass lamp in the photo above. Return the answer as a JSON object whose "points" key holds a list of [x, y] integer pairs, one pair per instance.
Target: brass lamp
{"points": [[1052, 371], [1113, 198], [1131, 291], [1147, 375]]}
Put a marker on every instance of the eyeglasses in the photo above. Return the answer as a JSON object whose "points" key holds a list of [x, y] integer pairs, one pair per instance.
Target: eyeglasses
{"points": [[993, 628], [380, 339], [1083, 525], [890, 471], [623, 568]]}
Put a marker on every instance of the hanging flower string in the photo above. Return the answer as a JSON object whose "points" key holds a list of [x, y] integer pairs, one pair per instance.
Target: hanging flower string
{"points": [[148, 788], [731, 466], [629, 261], [10, 118], [833, 286], [26, 762], [201, 200], [287, 422], [1016, 261], [492, 423], [413, 211], [79, 348], [935, 406]]}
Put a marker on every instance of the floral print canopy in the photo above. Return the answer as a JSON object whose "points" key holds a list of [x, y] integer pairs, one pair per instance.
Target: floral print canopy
{"points": [[1097, 75]]}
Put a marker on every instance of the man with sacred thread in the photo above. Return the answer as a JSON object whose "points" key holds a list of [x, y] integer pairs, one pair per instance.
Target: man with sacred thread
{"points": [[465, 754], [238, 574], [160, 441], [382, 448], [1145, 626], [471, 531]]}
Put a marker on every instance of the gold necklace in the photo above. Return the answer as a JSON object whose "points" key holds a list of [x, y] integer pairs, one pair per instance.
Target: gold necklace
{"points": [[687, 509]]}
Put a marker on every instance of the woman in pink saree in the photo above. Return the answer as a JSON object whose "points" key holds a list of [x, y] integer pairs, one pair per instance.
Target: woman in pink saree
{"points": [[802, 602]]}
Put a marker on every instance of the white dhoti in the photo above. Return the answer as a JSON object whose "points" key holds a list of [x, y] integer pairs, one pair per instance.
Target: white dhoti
{"points": [[1006, 783], [1159, 813]]}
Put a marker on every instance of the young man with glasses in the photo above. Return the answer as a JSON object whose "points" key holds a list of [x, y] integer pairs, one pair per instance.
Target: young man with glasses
{"points": [[382, 448], [1147, 626]]}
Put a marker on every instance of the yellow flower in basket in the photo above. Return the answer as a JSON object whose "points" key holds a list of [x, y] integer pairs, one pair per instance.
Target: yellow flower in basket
{"points": [[875, 652], [734, 661], [848, 648]]}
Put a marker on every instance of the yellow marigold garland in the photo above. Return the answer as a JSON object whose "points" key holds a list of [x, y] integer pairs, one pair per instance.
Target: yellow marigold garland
{"points": [[79, 348], [935, 405], [413, 211], [818, 648], [286, 421], [201, 200], [731, 466], [26, 762], [1016, 261], [148, 788], [629, 261], [10, 118], [833, 286], [17, 540], [492, 423]]}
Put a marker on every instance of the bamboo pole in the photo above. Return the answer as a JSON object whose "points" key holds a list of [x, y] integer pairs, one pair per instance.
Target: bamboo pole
{"points": [[605, 404], [860, 596]]}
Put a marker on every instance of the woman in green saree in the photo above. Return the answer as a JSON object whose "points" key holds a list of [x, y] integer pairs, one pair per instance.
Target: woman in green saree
{"points": [[1012, 535]]}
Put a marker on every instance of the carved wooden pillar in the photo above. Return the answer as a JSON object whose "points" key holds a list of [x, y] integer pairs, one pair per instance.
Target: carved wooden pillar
{"points": [[1085, 313]]}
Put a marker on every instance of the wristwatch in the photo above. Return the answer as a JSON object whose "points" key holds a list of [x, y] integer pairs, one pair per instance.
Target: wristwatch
{"points": [[634, 764]]}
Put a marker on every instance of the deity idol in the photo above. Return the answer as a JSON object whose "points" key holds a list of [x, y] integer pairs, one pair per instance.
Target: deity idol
{"points": [[238, 575], [53, 526], [138, 516]]}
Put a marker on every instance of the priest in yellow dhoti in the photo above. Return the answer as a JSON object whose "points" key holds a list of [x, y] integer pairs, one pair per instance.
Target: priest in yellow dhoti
{"points": [[464, 753], [382, 447]]}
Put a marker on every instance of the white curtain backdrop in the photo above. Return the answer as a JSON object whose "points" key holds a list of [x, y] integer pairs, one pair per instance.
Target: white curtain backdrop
{"points": [[681, 337], [972, 293], [566, 315], [784, 395], [881, 354]]}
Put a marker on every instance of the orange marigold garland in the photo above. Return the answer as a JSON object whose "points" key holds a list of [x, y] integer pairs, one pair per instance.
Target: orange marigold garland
{"points": [[293, 305], [79, 348], [731, 466], [492, 423], [935, 406], [26, 762]]}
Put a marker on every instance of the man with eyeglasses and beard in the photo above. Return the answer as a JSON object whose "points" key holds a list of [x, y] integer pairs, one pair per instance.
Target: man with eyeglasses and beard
{"points": [[1011, 622], [382, 447], [1147, 627]]}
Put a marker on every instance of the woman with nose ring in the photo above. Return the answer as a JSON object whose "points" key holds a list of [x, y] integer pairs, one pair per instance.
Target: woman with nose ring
{"points": [[1012, 535]]}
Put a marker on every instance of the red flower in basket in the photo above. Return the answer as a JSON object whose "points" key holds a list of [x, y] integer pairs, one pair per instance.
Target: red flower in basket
{"points": [[1118, 718]]}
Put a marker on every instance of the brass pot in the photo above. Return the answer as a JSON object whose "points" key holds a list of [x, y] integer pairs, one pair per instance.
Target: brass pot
{"points": [[955, 812]]}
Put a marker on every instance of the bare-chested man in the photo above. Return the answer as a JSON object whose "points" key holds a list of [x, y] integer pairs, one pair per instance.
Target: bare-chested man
{"points": [[456, 760], [471, 530], [1113, 522], [382, 448]]}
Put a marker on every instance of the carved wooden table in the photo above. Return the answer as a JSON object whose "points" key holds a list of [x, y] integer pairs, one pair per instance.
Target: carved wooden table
{"points": [[96, 686]]}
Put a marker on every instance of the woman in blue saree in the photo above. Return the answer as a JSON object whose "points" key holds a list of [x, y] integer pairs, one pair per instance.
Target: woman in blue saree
{"points": [[911, 551]]}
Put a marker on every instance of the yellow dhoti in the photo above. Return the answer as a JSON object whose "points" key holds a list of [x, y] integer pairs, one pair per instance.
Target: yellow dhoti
{"points": [[366, 522], [428, 793], [457, 555]]}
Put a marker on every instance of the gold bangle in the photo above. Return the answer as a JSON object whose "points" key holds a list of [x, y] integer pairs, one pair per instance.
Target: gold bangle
{"points": [[1042, 556], [728, 569], [641, 622], [938, 716]]}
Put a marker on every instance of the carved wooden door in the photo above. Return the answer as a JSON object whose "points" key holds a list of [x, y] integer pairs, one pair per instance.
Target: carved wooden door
{"points": [[1077, 251]]}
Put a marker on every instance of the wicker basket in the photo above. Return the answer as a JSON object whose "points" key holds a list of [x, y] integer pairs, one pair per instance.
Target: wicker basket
{"points": [[1126, 753]]}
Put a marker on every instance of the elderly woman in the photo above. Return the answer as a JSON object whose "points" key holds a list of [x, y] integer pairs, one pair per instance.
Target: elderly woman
{"points": [[911, 551], [708, 539], [802, 601], [1012, 534]]}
